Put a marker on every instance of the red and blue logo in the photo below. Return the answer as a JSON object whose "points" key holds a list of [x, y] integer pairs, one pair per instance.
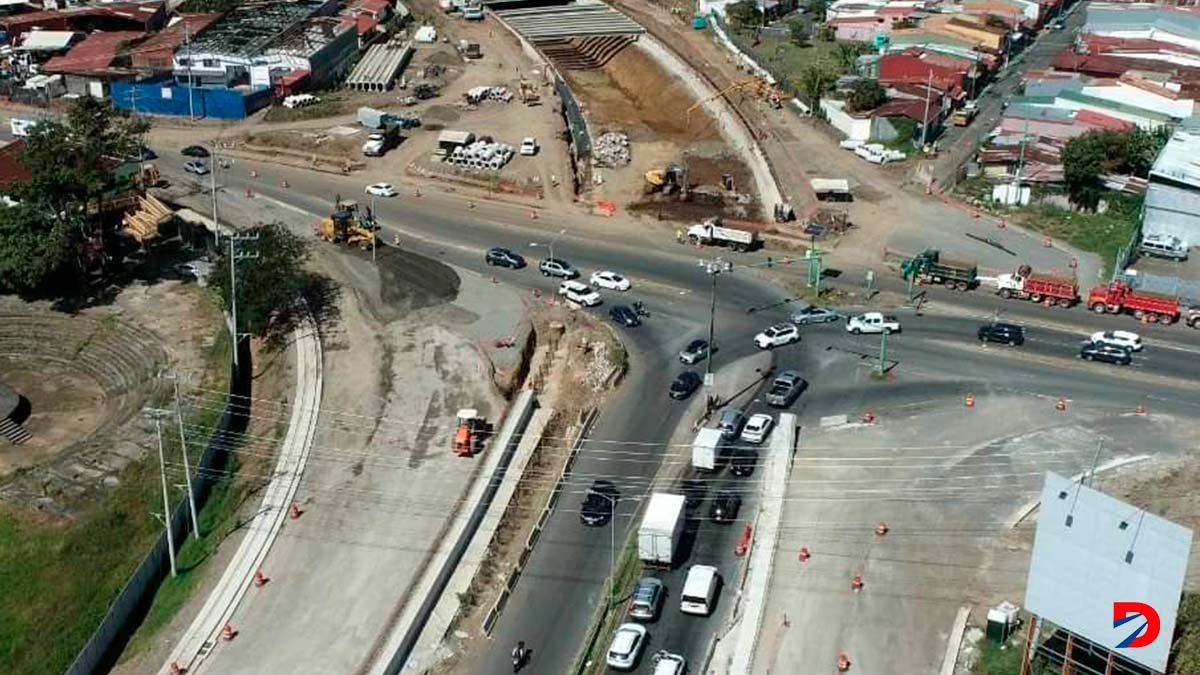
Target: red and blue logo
{"points": [[1145, 634]]}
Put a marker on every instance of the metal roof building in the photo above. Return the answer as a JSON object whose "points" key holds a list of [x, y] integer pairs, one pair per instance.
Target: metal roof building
{"points": [[577, 20], [1172, 207]]}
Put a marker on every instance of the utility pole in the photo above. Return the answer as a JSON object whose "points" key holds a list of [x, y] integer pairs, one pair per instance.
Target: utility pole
{"points": [[187, 42], [882, 351], [814, 267], [212, 186], [234, 256], [713, 268], [162, 474], [187, 469], [925, 117]]}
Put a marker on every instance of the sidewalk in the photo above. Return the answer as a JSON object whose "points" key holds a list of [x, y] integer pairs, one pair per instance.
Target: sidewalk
{"points": [[204, 634]]}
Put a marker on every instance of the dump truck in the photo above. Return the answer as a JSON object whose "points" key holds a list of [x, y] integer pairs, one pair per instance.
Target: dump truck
{"points": [[931, 267], [705, 449], [378, 119], [380, 142], [1025, 284], [347, 226], [662, 525], [711, 232], [1119, 297]]}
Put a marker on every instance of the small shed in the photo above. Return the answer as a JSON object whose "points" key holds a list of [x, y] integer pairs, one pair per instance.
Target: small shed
{"points": [[831, 189], [448, 140]]}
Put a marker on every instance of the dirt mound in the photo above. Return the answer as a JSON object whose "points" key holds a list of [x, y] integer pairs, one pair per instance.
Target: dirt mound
{"points": [[440, 113], [634, 93], [407, 282], [444, 58]]}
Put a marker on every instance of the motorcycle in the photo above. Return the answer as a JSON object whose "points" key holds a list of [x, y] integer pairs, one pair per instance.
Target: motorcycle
{"points": [[518, 656], [640, 310]]}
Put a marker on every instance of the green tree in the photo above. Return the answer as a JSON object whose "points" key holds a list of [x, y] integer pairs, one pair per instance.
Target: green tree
{"points": [[1089, 156], [817, 8], [270, 276], [848, 53], [1185, 657], [798, 32], [812, 85], [825, 33], [865, 95], [743, 14], [52, 234]]}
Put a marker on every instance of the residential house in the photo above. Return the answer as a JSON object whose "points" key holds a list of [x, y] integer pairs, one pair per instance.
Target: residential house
{"points": [[972, 29], [1164, 23], [1172, 206], [156, 53], [128, 16], [90, 66]]}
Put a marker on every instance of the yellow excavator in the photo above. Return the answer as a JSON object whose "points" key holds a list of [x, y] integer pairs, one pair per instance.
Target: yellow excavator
{"points": [[667, 180], [346, 225]]}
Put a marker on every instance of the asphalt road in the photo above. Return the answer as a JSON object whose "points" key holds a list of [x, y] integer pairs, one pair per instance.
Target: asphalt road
{"points": [[557, 595]]}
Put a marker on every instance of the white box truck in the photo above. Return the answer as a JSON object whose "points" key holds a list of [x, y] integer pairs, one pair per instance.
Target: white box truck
{"points": [[704, 449], [658, 536]]}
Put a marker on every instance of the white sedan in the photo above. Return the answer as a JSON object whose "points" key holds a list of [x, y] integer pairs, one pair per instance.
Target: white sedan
{"points": [[778, 335], [610, 280], [382, 190], [626, 646], [666, 663], [1119, 338], [757, 428]]}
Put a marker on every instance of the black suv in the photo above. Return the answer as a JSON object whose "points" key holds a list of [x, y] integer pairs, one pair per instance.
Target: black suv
{"points": [[1007, 333], [1099, 351], [624, 315], [693, 491], [597, 508], [504, 258], [742, 462], [725, 508], [685, 385]]}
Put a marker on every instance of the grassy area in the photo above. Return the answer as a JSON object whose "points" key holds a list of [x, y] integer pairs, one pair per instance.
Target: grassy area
{"points": [[622, 581], [333, 102], [57, 579], [1101, 233], [996, 659], [779, 55]]}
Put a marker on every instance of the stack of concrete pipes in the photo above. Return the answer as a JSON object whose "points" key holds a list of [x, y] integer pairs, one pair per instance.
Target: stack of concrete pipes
{"points": [[481, 156]]}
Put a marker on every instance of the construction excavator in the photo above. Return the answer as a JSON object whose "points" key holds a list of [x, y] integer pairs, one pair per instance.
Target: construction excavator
{"points": [[667, 180], [347, 225], [755, 86]]}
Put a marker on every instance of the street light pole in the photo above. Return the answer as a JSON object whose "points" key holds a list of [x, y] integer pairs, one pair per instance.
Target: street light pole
{"points": [[162, 473], [713, 268], [554, 239], [234, 256], [187, 469]]}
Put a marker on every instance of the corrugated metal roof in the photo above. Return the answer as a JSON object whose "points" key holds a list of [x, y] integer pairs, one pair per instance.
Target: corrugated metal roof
{"points": [[95, 54], [48, 40], [1092, 550], [1180, 158]]}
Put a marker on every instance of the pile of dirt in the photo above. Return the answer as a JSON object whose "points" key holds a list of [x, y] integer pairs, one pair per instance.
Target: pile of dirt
{"points": [[407, 282], [634, 93], [440, 113], [444, 58]]}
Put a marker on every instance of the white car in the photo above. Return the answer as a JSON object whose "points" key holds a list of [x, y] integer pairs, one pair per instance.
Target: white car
{"points": [[196, 166], [529, 147], [1119, 338], [666, 663], [578, 293], [757, 428], [778, 335], [382, 190], [610, 280], [627, 644]]}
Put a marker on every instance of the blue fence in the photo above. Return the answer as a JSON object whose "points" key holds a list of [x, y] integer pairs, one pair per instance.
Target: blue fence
{"points": [[169, 98]]}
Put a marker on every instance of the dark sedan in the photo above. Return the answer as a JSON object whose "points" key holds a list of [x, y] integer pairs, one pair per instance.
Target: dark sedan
{"points": [[504, 258], [725, 508], [624, 315], [194, 151], [598, 504], [685, 385], [1099, 351], [1005, 333]]}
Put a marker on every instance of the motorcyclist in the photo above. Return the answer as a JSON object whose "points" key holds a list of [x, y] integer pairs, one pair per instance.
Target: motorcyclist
{"points": [[518, 656]]}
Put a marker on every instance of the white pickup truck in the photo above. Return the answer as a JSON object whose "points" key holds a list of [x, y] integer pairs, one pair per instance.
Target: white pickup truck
{"points": [[872, 322]]}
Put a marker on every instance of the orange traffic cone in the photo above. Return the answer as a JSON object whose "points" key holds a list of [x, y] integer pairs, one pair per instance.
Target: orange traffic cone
{"points": [[843, 663], [1061, 405], [295, 511], [260, 579], [970, 401], [228, 633], [856, 583], [1141, 409], [803, 555], [881, 529]]}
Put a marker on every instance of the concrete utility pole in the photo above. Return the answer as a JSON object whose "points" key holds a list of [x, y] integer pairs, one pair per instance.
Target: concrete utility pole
{"points": [[187, 42], [882, 351], [162, 474], [234, 256], [212, 186], [925, 117], [713, 268], [187, 469]]}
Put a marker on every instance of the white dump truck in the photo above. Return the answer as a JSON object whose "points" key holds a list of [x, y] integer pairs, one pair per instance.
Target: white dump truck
{"points": [[712, 233], [658, 536], [705, 449]]}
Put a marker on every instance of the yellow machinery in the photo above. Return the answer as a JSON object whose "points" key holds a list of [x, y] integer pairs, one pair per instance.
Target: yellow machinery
{"points": [[754, 86], [347, 226], [668, 180]]}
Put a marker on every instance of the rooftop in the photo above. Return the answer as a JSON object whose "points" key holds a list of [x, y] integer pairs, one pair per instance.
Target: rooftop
{"points": [[307, 37], [1179, 160], [12, 169], [166, 41], [251, 27], [48, 40], [96, 54]]}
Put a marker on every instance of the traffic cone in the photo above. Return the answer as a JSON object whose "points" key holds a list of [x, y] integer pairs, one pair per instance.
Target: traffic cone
{"points": [[228, 633], [881, 529], [253, 173], [1047, 242], [283, 184], [803, 555], [470, 205], [260, 579], [970, 401], [1003, 223], [295, 511], [1061, 405], [1141, 409], [533, 215], [176, 669], [856, 583], [249, 193], [843, 663], [868, 417]]}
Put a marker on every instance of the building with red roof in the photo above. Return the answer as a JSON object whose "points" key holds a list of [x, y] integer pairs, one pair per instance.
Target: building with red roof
{"points": [[114, 16], [156, 53], [90, 65]]}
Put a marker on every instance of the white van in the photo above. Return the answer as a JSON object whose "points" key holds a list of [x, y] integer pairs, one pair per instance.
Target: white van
{"points": [[1164, 246], [579, 293], [699, 590]]}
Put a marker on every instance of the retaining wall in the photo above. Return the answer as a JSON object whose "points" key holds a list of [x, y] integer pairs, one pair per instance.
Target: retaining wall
{"points": [[131, 604]]}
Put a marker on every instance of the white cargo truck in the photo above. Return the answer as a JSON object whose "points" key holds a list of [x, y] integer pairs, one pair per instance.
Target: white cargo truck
{"points": [[711, 232], [704, 449], [662, 524]]}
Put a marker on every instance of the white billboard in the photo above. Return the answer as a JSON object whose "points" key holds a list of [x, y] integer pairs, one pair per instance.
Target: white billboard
{"points": [[1107, 571]]}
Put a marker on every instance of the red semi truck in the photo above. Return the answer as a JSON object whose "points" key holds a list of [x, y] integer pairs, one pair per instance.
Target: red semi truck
{"points": [[1118, 297], [1026, 284]]}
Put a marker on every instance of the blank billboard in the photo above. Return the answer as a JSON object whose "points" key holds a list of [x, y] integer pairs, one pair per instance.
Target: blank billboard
{"points": [[1092, 556]]}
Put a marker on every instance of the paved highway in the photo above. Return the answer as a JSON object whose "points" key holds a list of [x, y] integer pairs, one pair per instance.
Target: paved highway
{"points": [[557, 595]]}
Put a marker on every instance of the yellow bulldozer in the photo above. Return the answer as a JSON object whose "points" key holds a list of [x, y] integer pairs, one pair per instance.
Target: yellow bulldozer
{"points": [[347, 225], [668, 180]]}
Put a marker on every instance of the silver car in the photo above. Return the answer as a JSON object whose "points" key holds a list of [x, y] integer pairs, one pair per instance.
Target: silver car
{"points": [[731, 423], [647, 599]]}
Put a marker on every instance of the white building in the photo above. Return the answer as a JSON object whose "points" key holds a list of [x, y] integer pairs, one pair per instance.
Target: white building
{"points": [[1173, 198]]}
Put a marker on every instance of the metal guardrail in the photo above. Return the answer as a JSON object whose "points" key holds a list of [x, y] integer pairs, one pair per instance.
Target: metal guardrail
{"points": [[586, 419]]}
